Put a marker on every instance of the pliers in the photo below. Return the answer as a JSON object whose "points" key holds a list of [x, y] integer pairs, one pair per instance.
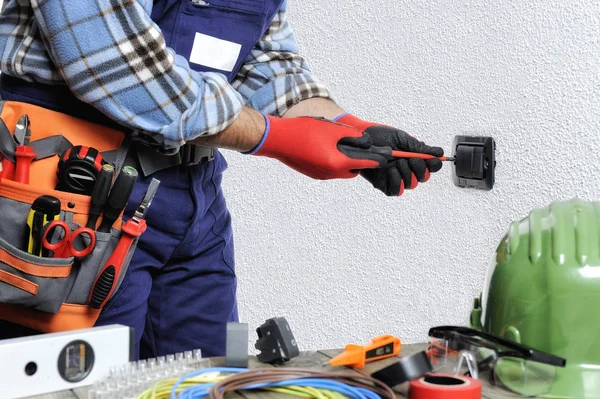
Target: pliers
{"points": [[20, 138], [23, 153]]}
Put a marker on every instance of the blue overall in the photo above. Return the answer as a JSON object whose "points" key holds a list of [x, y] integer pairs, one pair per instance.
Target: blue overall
{"points": [[180, 289]]}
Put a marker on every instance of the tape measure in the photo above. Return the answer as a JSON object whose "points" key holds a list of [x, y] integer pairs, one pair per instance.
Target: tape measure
{"points": [[78, 169]]}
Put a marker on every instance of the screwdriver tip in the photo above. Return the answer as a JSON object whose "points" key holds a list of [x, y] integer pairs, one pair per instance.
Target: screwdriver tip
{"points": [[450, 159]]}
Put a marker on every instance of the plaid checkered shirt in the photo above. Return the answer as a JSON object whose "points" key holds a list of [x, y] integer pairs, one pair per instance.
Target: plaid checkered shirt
{"points": [[114, 57]]}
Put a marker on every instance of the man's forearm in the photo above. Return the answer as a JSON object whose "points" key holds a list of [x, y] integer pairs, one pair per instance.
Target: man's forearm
{"points": [[320, 107], [242, 135], [247, 130]]}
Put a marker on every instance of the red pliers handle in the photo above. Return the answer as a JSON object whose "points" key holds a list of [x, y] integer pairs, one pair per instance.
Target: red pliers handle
{"points": [[8, 169], [24, 154], [109, 275]]}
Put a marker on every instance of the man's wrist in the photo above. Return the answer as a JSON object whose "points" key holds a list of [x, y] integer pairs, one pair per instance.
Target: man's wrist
{"points": [[264, 137], [244, 134]]}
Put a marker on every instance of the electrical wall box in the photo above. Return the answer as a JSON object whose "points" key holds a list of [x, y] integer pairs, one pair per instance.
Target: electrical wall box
{"points": [[475, 162], [60, 361]]}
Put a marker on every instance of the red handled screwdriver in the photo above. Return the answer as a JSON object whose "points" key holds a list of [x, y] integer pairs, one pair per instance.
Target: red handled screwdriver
{"points": [[131, 229], [109, 275], [405, 154], [389, 153]]}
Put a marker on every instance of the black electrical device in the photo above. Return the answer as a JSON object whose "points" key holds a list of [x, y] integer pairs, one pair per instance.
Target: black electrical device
{"points": [[276, 341], [475, 162]]}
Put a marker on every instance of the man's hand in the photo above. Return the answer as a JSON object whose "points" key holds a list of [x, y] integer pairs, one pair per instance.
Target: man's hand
{"points": [[318, 148], [323, 149], [397, 174]]}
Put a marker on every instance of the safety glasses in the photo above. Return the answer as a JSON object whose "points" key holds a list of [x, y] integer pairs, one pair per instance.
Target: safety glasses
{"points": [[465, 351]]}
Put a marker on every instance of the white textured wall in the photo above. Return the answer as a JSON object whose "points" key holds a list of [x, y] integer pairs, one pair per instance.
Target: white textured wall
{"points": [[341, 261]]}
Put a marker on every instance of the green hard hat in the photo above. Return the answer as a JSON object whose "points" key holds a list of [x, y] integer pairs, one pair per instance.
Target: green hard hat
{"points": [[542, 289]]}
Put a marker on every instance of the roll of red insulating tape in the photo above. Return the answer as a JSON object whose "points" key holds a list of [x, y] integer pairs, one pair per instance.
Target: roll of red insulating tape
{"points": [[444, 386]]}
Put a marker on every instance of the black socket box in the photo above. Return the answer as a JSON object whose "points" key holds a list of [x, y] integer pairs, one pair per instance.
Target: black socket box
{"points": [[475, 162]]}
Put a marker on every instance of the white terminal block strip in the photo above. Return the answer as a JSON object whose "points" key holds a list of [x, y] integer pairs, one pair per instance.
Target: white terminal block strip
{"points": [[60, 361]]}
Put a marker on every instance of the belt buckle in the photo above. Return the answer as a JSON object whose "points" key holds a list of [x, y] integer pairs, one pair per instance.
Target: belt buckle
{"points": [[193, 154]]}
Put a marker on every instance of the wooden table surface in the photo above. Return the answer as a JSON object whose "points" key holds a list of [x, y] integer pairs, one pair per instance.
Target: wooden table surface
{"points": [[316, 360]]}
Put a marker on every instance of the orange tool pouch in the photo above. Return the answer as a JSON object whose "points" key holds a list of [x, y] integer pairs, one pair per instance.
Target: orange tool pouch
{"points": [[43, 293]]}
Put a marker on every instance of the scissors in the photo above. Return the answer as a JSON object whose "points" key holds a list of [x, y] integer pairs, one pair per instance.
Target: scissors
{"points": [[66, 246]]}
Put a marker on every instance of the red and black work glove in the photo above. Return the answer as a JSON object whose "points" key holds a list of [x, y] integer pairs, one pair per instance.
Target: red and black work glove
{"points": [[398, 173], [318, 148]]}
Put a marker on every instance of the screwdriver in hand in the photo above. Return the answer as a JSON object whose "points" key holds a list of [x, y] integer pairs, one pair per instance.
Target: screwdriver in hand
{"points": [[389, 153], [405, 154]]}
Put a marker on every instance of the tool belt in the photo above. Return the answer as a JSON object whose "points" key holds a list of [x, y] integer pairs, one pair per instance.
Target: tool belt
{"points": [[51, 294]]}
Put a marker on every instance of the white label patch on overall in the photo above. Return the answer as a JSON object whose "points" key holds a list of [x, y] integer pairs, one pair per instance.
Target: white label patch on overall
{"points": [[215, 53]]}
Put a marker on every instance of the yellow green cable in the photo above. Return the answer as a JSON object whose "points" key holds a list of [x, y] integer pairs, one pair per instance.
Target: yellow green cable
{"points": [[303, 392], [307, 392], [162, 389]]}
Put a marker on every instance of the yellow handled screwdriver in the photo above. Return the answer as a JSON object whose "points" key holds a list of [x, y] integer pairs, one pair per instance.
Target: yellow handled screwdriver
{"points": [[43, 210]]}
